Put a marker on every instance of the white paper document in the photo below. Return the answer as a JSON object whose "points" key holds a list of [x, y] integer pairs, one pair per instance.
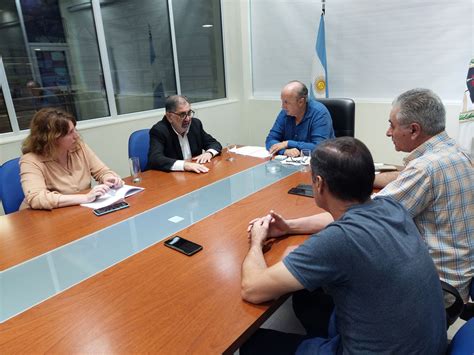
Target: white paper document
{"points": [[296, 161], [384, 167], [114, 195], [257, 152]]}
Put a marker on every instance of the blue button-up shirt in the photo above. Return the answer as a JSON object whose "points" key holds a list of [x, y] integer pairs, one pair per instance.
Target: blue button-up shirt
{"points": [[315, 127]]}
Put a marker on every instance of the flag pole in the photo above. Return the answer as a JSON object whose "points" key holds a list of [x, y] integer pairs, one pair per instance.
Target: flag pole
{"points": [[323, 6]]}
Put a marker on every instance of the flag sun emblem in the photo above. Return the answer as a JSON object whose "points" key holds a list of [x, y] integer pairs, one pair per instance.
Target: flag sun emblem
{"points": [[320, 85]]}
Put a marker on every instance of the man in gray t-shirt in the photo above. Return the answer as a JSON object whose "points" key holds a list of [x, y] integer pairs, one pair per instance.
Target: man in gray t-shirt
{"points": [[371, 260]]}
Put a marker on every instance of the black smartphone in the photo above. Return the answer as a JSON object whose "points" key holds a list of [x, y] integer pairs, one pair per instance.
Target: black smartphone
{"points": [[305, 187], [111, 208], [183, 245], [301, 192]]}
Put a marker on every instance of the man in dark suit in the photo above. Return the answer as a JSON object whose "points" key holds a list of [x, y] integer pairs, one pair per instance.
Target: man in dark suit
{"points": [[179, 137]]}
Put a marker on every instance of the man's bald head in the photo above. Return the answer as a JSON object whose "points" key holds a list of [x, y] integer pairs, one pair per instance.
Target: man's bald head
{"points": [[296, 89]]}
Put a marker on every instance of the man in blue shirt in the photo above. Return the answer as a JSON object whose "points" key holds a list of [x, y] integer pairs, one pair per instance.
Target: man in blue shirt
{"points": [[301, 124], [371, 260]]}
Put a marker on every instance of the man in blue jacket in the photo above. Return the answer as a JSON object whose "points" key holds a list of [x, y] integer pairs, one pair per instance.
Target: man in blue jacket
{"points": [[301, 124]]}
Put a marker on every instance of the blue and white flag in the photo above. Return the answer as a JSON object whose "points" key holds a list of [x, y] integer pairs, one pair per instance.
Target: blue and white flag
{"points": [[319, 71]]}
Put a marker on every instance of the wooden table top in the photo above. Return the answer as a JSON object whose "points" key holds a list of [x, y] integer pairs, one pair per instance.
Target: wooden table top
{"points": [[159, 300], [31, 232]]}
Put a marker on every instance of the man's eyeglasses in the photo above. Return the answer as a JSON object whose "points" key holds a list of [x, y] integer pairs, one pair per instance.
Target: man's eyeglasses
{"points": [[183, 115]]}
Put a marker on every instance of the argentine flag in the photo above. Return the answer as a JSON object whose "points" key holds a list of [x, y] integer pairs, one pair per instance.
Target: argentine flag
{"points": [[319, 71]]}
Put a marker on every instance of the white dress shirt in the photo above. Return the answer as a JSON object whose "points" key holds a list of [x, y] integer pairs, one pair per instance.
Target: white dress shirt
{"points": [[186, 151]]}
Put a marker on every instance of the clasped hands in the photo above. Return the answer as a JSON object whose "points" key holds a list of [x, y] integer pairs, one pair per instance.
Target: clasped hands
{"points": [[272, 225]]}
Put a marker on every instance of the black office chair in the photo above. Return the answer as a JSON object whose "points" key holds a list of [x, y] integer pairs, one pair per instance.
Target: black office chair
{"points": [[456, 308], [468, 311], [343, 115]]}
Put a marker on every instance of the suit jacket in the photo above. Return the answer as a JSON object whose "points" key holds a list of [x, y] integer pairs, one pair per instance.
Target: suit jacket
{"points": [[164, 144]]}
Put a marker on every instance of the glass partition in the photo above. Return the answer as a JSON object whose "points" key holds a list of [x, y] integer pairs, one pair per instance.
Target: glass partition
{"points": [[51, 58], [5, 125], [198, 31], [140, 53]]}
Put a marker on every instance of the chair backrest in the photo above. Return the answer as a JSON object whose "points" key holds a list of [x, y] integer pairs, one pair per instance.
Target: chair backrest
{"points": [[138, 144], [343, 115], [12, 193], [463, 340]]}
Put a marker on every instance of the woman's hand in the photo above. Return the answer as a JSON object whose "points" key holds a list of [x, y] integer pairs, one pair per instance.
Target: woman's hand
{"points": [[113, 182], [97, 191]]}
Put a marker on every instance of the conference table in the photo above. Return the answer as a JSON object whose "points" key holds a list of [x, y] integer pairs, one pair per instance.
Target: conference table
{"points": [[72, 282]]}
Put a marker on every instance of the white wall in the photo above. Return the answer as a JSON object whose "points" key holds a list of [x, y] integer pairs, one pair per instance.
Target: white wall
{"points": [[375, 49]]}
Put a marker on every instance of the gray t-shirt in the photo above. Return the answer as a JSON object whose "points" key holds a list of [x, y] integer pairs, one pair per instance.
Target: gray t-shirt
{"points": [[375, 265]]}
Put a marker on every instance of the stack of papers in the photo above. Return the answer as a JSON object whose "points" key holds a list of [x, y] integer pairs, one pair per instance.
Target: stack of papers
{"points": [[384, 167], [114, 195], [257, 152]]}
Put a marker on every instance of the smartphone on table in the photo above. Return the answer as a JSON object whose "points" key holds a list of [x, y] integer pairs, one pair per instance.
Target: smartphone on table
{"points": [[183, 245], [300, 191], [111, 208]]}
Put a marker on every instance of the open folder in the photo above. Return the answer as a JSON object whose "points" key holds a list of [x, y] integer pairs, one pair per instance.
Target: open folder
{"points": [[380, 167], [114, 195]]}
